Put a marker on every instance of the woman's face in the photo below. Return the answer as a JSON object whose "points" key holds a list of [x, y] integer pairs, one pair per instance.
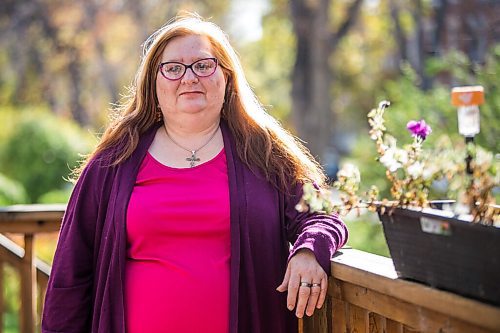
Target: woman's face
{"points": [[190, 96]]}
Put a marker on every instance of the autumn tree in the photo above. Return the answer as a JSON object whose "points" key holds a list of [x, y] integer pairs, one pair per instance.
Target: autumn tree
{"points": [[74, 57]]}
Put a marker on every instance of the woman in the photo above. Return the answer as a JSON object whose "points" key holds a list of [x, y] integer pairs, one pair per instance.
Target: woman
{"points": [[181, 219]]}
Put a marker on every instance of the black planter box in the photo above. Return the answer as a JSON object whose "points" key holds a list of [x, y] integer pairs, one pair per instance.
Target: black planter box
{"points": [[432, 247]]}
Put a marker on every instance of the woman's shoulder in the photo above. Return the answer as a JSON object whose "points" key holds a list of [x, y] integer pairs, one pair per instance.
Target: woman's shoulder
{"points": [[110, 159], [97, 168]]}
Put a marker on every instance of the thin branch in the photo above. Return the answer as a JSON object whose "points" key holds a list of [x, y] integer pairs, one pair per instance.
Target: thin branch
{"points": [[398, 30], [350, 20]]}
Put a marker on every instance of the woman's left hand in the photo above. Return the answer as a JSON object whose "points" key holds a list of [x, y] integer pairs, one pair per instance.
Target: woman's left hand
{"points": [[306, 283]]}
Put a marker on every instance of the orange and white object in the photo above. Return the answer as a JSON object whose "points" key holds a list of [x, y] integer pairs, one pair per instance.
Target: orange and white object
{"points": [[466, 96], [468, 99]]}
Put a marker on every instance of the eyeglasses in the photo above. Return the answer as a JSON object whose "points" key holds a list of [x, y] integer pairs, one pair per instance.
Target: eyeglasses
{"points": [[173, 70]]}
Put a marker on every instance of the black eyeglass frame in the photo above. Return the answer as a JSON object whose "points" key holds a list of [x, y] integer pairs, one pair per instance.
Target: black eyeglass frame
{"points": [[186, 68]]}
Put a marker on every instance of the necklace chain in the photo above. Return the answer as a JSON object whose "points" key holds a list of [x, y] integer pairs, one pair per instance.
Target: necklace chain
{"points": [[193, 159]]}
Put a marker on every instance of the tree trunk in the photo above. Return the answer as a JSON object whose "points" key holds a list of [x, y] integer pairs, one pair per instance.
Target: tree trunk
{"points": [[399, 34], [312, 75], [420, 54], [75, 77], [439, 23], [108, 72]]}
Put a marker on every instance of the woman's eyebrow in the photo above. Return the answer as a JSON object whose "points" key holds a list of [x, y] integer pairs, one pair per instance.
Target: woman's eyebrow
{"points": [[181, 59]]}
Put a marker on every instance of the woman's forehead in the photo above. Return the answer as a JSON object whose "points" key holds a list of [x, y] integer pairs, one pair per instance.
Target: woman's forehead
{"points": [[187, 48]]}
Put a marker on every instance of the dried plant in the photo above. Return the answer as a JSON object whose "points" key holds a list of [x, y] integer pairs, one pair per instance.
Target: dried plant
{"points": [[412, 171]]}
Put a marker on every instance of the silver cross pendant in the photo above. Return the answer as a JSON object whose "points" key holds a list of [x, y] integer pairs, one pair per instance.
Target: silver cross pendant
{"points": [[193, 159]]}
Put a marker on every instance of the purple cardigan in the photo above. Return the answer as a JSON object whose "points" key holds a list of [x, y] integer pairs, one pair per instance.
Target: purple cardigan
{"points": [[85, 290]]}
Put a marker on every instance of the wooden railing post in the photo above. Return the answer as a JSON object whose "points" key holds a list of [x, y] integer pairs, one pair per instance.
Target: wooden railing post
{"points": [[394, 326], [357, 319], [42, 288], [28, 287], [377, 323], [319, 322]]}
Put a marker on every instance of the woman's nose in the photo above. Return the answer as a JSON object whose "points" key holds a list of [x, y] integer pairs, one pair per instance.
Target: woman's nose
{"points": [[189, 76]]}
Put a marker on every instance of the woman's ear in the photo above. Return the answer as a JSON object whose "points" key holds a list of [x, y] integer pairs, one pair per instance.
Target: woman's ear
{"points": [[227, 77], [229, 84], [228, 95]]}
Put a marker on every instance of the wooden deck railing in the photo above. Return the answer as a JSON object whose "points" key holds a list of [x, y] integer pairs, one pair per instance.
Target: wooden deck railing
{"points": [[364, 293], [28, 221]]}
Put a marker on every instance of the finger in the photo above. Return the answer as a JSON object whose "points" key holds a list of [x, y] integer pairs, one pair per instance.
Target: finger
{"points": [[293, 288], [303, 296], [322, 294], [283, 286], [313, 298]]}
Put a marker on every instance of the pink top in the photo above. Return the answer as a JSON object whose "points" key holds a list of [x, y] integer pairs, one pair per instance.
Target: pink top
{"points": [[178, 249]]}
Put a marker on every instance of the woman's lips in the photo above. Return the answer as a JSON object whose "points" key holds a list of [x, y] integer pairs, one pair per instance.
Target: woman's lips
{"points": [[190, 93]]}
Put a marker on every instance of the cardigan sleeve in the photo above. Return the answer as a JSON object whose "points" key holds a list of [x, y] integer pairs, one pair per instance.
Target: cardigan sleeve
{"points": [[321, 233], [67, 305]]}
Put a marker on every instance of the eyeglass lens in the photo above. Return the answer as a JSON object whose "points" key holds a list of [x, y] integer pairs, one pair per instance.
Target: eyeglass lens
{"points": [[176, 70]]}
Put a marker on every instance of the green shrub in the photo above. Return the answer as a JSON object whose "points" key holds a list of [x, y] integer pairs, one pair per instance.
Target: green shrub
{"points": [[366, 234], [41, 150], [11, 192], [56, 196]]}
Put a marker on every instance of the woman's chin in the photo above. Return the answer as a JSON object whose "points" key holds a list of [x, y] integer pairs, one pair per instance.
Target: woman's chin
{"points": [[192, 107], [195, 108]]}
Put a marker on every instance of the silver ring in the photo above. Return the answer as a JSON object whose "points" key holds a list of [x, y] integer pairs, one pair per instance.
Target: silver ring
{"points": [[316, 285], [306, 284]]}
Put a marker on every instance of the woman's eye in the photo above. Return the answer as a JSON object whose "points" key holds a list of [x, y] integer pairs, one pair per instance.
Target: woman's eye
{"points": [[173, 69], [202, 66]]}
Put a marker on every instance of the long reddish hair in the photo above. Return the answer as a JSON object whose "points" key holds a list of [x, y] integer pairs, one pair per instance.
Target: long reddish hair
{"points": [[261, 142]]}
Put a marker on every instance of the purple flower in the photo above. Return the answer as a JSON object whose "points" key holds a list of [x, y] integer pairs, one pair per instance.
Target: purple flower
{"points": [[419, 128]]}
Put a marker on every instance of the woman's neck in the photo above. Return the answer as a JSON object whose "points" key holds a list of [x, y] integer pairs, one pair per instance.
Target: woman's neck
{"points": [[191, 134]]}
